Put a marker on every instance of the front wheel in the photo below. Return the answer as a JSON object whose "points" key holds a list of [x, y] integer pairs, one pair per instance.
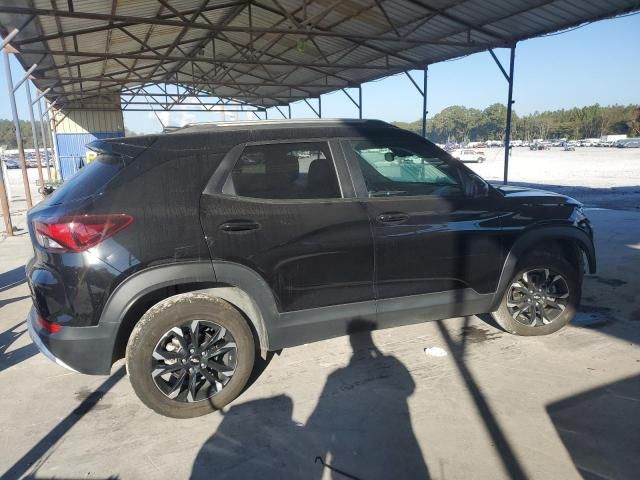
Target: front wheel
{"points": [[190, 355], [541, 298]]}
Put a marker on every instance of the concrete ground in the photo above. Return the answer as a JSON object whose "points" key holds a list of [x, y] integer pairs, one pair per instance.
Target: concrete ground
{"points": [[479, 403]]}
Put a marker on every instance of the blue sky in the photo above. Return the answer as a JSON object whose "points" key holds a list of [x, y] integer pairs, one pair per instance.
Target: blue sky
{"points": [[597, 63]]}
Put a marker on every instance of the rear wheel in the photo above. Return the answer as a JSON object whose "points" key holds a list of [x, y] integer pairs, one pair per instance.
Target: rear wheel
{"points": [[190, 355], [541, 298]]}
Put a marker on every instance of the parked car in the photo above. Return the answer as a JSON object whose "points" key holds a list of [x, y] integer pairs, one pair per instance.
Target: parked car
{"points": [[568, 147], [193, 254], [11, 163], [468, 155], [629, 143]]}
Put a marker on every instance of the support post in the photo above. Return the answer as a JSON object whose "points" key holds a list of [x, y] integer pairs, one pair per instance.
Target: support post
{"points": [[36, 143], [319, 107], [16, 121], [6, 213], [289, 108], [57, 173], [424, 103], [44, 139], [507, 135], [360, 102]]}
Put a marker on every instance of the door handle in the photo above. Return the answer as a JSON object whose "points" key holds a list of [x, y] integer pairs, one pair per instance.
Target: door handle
{"points": [[239, 226], [393, 217]]}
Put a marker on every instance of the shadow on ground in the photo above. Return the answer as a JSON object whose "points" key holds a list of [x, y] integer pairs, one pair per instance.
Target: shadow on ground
{"points": [[600, 429], [15, 356], [12, 278], [360, 428], [40, 449]]}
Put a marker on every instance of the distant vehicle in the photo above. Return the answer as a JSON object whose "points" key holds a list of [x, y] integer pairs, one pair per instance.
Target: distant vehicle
{"points": [[568, 147], [589, 142], [467, 155], [613, 138], [449, 147], [539, 146], [628, 143], [11, 163]]}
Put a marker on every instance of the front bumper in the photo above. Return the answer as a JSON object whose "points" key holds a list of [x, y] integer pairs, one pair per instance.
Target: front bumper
{"points": [[80, 349]]}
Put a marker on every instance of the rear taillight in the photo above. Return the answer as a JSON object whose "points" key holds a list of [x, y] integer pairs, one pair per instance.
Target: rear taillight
{"points": [[48, 326], [79, 232]]}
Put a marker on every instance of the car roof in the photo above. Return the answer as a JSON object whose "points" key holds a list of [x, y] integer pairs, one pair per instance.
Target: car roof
{"points": [[277, 125]]}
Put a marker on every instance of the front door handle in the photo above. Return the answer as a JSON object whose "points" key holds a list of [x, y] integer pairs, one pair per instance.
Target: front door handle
{"points": [[239, 226], [393, 217]]}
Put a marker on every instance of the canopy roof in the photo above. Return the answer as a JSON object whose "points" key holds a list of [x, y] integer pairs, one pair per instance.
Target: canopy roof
{"points": [[264, 52]]}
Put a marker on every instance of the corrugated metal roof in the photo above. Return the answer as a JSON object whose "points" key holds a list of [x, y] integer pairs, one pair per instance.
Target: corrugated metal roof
{"points": [[267, 52]]}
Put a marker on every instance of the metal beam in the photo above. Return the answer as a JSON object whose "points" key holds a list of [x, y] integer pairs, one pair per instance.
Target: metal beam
{"points": [[507, 134], [72, 80], [424, 102], [99, 56], [239, 29], [4, 201], [423, 92], [12, 34], [16, 122], [34, 132], [102, 28], [499, 63], [317, 112], [44, 136]]}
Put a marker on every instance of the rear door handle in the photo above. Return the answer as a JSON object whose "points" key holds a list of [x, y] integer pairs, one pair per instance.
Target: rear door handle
{"points": [[239, 226], [393, 217]]}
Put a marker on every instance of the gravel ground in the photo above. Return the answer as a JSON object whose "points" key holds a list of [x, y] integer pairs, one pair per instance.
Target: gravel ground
{"points": [[598, 177]]}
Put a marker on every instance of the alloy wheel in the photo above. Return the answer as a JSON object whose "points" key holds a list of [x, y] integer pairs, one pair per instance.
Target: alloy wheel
{"points": [[538, 297], [194, 361]]}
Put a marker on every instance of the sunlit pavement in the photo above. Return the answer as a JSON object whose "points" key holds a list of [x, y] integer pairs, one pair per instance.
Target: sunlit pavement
{"points": [[483, 404]]}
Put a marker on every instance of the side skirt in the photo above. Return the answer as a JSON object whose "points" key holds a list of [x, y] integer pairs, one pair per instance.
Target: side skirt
{"points": [[306, 326]]}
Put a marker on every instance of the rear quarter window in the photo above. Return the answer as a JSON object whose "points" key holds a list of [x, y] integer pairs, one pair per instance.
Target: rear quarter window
{"points": [[89, 180]]}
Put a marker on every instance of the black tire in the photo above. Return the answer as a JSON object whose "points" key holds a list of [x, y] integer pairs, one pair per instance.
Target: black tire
{"points": [[559, 265], [170, 313]]}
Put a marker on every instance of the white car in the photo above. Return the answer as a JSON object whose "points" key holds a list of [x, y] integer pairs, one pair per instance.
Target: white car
{"points": [[468, 155]]}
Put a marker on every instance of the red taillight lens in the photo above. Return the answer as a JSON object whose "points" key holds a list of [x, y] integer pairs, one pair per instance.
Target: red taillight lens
{"points": [[48, 326], [80, 232]]}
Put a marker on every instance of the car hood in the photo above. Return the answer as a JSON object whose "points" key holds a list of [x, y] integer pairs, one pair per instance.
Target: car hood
{"points": [[535, 196]]}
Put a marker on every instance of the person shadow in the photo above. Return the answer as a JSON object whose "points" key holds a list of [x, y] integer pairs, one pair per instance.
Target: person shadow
{"points": [[360, 427], [256, 439]]}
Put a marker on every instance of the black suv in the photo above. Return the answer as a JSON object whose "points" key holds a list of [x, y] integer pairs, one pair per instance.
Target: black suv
{"points": [[195, 253]]}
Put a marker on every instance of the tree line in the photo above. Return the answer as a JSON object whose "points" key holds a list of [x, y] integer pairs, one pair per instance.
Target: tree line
{"points": [[461, 124], [8, 134]]}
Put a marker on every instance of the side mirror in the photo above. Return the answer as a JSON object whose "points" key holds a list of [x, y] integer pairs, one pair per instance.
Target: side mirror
{"points": [[476, 187], [389, 156]]}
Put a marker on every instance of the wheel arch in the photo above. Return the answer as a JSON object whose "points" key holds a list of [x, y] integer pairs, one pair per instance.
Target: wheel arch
{"points": [[544, 238], [240, 286]]}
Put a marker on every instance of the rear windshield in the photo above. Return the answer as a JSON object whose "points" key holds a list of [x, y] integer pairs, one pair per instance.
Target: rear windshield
{"points": [[90, 179]]}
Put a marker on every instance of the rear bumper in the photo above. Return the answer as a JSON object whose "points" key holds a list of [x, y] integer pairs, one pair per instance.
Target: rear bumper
{"points": [[81, 349]]}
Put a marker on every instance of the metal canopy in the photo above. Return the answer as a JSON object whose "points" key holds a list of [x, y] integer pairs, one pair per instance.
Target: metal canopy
{"points": [[261, 53]]}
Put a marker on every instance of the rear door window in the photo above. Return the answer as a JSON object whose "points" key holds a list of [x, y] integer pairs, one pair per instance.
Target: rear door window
{"points": [[284, 171]]}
